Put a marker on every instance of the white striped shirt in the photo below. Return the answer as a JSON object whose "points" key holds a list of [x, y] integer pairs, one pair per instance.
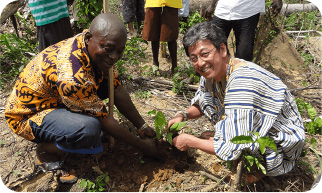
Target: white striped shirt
{"points": [[258, 101]]}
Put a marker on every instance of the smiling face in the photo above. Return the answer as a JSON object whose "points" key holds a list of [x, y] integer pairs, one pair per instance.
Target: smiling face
{"points": [[105, 41], [208, 61], [105, 51]]}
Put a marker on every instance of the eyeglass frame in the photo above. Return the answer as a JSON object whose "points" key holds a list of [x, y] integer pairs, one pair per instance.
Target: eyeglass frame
{"points": [[201, 57]]}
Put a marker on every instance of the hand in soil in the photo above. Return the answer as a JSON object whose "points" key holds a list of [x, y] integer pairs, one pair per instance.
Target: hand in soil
{"points": [[149, 148], [147, 133]]}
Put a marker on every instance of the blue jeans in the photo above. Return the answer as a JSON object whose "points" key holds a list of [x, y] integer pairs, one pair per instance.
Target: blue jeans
{"points": [[70, 131], [244, 30]]}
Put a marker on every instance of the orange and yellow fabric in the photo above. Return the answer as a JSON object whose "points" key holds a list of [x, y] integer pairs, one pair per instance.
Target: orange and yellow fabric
{"points": [[61, 76]]}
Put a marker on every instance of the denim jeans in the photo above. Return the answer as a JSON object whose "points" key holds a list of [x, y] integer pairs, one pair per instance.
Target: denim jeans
{"points": [[244, 30], [70, 131]]}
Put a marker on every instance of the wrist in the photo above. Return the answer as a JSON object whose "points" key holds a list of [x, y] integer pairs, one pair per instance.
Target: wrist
{"points": [[184, 114], [142, 128]]}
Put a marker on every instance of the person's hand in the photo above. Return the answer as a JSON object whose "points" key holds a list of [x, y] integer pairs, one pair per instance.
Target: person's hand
{"points": [[181, 142], [208, 12], [147, 132], [149, 148], [276, 6], [177, 118]]}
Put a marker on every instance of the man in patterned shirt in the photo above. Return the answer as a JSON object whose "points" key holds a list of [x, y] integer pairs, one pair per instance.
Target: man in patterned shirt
{"points": [[57, 100], [239, 96]]}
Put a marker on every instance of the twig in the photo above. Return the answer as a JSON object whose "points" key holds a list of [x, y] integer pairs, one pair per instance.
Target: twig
{"points": [[304, 31], [213, 186], [166, 82], [191, 187], [209, 175], [305, 88], [141, 188], [236, 184]]}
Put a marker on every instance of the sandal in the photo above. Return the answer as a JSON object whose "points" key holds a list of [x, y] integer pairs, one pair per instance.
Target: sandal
{"points": [[207, 134], [56, 167]]}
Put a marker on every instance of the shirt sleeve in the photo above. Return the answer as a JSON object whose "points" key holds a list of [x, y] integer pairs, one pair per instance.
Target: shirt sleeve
{"points": [[209, 105]]}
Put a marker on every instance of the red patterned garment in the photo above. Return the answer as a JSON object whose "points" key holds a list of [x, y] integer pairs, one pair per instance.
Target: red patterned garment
{"points": [[59, 77]]}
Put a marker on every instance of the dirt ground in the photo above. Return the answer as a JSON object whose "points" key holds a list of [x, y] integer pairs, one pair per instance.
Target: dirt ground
{"points": [[129, 170]]}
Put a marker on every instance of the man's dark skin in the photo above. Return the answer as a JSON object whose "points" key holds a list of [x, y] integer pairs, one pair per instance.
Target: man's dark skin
{"points": [[105, 42]]}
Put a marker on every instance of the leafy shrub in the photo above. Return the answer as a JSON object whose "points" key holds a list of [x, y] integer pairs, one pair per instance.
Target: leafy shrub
{"points": [[251, 159], [87, 10], [99, 185], [17, 53], [315, 126]]}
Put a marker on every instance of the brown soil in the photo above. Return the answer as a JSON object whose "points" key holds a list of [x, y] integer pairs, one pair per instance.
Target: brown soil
{"points": [[129, 170]]}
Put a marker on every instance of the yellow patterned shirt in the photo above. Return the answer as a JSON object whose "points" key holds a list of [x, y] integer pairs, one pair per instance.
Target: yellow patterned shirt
{"points": [[61, 76], [162, 3]]}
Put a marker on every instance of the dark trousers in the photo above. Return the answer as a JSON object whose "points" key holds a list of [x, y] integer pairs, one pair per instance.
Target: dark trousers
{"points": [[244, 30], [54, 32]]}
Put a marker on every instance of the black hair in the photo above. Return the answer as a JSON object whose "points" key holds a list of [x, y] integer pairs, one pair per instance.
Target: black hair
{"points": [[203, 31]]}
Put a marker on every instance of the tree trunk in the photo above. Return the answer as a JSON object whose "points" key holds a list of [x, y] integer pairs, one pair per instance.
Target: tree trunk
{"points": [[292, 8]]}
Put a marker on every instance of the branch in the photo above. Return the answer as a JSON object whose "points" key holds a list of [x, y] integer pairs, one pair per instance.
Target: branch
{"points": [[305, 88], [166, 82]]}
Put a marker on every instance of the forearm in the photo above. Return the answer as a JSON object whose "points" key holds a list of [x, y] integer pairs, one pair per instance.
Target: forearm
{"points": [[113, 128], [205, 145], [185, 141], [126, 107], [194, 112]]}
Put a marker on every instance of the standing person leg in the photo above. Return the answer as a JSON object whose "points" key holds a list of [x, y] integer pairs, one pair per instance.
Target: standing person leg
{"points": [[225, 25], [54, 32], [129, 14], [155, 52], [169, 32], [172, 46], [140, 14], [245, 36], [152, 29]]}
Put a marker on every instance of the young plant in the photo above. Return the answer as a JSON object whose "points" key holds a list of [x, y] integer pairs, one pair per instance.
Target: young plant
{"points": [[263, 143], [315, 126], [174, 129], [160, 124], [99, 185]]}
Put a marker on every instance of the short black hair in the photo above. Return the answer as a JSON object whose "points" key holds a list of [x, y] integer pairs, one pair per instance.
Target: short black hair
{"points": [[203, 31]]}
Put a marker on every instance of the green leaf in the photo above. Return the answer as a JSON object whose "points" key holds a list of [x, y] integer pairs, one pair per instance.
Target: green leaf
{"points": [[242, 139], [318, 121], [250, 159], [266, 142], [169, 137], [160, 123], [152, 112], [255, 133], [177, 126], [262, 168], [83, 183]]}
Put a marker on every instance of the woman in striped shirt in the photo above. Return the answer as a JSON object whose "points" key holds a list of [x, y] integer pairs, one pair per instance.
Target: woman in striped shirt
{"points": [[239, 96]]}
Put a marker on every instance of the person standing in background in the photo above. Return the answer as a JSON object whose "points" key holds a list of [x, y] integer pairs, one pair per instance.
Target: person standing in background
{"points": [[162, 24], [52, 21], [184, 11], [241, 16], [133, 10]]}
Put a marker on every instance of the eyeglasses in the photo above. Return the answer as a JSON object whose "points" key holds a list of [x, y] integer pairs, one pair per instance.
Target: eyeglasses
{"points": [[202, 56]]}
